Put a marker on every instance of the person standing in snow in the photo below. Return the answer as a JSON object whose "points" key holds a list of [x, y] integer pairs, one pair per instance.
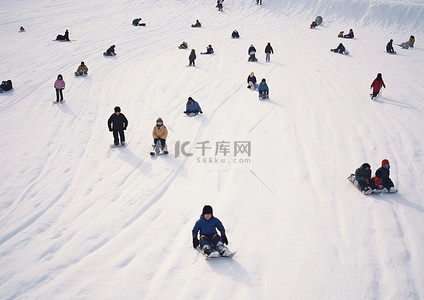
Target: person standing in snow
{"points": [[117, 123], [376, 85], [268, 51], [389, 47], [210, 240], [59, 85], [386, 181], [263, 89], [192, 107], [192, 58], [259, 2], [160, 133], [251, 81]]}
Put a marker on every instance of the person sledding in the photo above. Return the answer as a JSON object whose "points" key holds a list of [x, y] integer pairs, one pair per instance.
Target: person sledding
{"points": [[110, 51], [350, 35], [251, 81], [21, 29], [209, 50], [6, 85], [263, 90], [210, 243], [82, 70], [387, 183], [192, 107], [389, 47], [197, 24], [376, 85], [160, 133], [235, 34], [252, 53], [64, 37], [362, 178], [183, 45], [313, 24], [340, 49], [136, 22]]}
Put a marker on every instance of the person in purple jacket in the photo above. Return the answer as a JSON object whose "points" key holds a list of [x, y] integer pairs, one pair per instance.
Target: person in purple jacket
{"points": [[59, 85], [210, 240]]}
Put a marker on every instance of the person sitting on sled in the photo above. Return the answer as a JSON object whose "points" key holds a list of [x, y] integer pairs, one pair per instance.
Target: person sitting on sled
{"points": [[160, 133], [210, 240], [263, 89], [192, 107]]}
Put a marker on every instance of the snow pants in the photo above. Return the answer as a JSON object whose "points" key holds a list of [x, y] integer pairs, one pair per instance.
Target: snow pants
{"points": [[116, 138], [59, 93], [212, 242]]}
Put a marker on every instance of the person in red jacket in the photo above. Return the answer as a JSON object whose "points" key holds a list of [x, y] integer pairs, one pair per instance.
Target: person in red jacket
{"points": [[376, 183], [376, 85]]}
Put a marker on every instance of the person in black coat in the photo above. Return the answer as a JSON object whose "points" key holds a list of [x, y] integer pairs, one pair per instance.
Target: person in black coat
{"points": [[252, 53], [268, 51], [64, 37], [6, 85], [389, 47], [192, 58], [118, 123], [110, 51], [340, 49], [387, 182], [235, 34], [251, 81]]}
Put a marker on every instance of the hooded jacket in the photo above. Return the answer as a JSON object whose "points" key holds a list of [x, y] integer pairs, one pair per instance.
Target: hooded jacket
{"points": [[208, 228], [362, 174], [193, 107], [377, 84]]}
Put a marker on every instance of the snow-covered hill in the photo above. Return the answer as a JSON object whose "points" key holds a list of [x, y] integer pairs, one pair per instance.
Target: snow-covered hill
{"points": [[79, 220]]}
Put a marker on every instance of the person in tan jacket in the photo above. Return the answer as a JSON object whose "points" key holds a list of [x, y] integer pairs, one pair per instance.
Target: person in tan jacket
{"points": [[82, 70], [160, 133]]}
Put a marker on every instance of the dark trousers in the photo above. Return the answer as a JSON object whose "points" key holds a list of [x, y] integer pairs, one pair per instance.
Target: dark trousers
{"points": [[59, 92], [388, 183], [116, 138], [191, 63], [259, 2], [374, 94], [209, 241], [162, 142]]}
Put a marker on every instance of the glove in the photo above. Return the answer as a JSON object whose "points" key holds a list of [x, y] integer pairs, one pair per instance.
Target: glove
{"points": [[224, 239], [125, 128], [110, 130], [195, 242], [201, 112]]}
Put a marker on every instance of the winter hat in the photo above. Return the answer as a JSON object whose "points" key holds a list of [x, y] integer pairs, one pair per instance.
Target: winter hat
{"points": [[190, 99], [82, 63], [159, 120], [263, 80], [207, 209], [379, 76], [192, 50], [117, 109], [379, 173], [385, 161]]}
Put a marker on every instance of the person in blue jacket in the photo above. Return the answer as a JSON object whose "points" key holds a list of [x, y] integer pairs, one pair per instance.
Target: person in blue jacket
{"points": [[263, 89], [192, 107], [210, 240]]}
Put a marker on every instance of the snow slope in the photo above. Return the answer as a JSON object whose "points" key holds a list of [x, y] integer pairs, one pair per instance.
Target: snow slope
{"points": [[79, 220]]}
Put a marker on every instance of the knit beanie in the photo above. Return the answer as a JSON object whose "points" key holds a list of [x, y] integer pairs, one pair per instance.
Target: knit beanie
{"points": [[207, 209]]}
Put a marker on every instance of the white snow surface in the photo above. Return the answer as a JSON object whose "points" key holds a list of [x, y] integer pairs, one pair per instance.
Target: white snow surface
{"points": [[80, 220]]}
